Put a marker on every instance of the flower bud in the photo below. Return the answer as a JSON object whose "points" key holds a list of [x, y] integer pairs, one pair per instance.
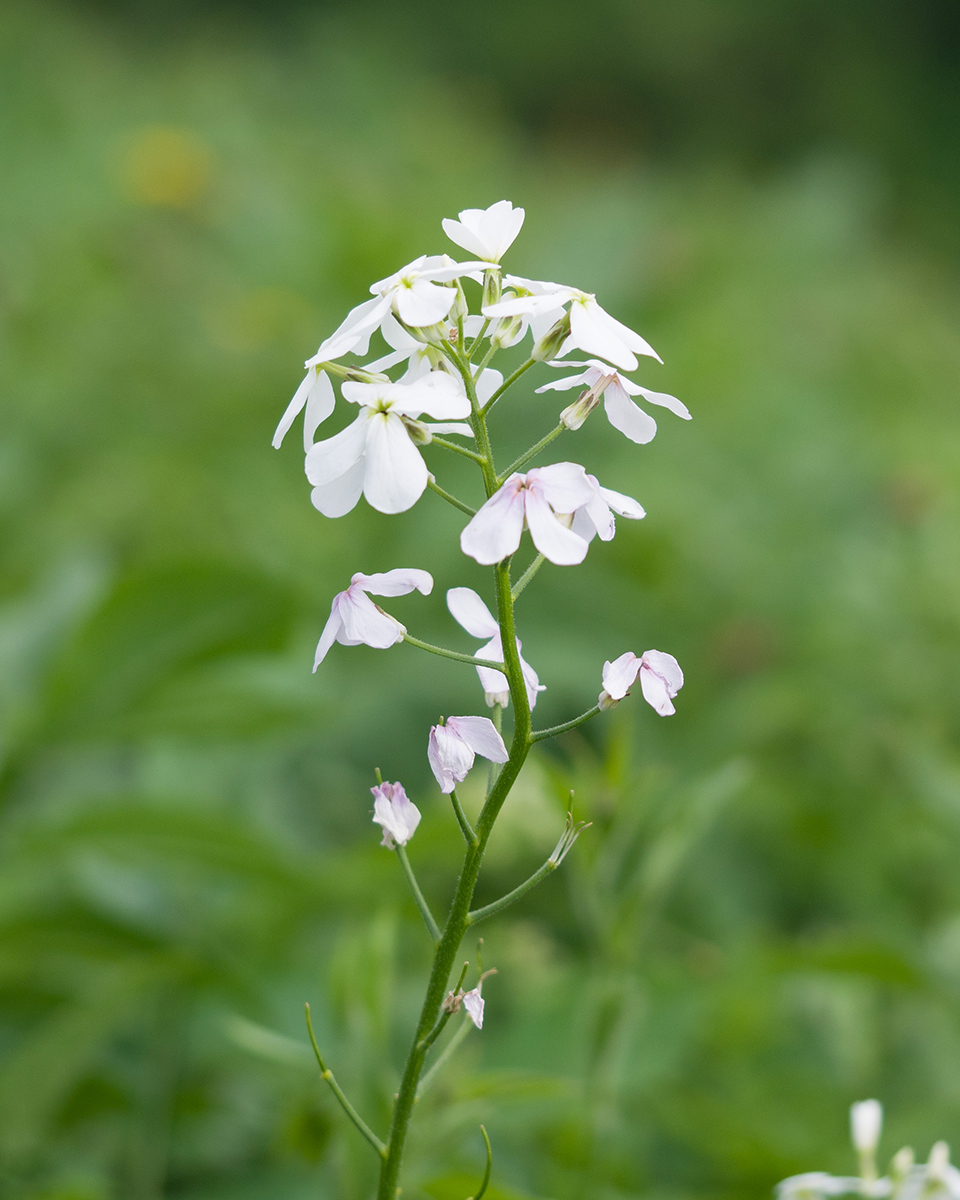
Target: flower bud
{"points": [[506, 331], [938, 1162], [902, 1163], [574, 415], [420, 435], [606, 702], [866, 1121], [492, 288], [359, 375], [552, 341], [460, 307]]}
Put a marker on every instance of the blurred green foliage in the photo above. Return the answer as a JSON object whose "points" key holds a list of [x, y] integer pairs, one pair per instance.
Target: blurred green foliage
{"points": [[763, 923]]}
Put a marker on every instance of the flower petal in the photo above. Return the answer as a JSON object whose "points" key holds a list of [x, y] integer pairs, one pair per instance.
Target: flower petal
{"points": [[397, 582], [337, 497], [590, 331], [293, 409], [363, 623], [320, 404], [334, 456], [487, 383], [620, 675], [473, 1003], [555, 541], [449, 427], [624, 415], [470, 612], [667, 667], [449, 756], [396, 475], [564, 485], [481, 735], [623, 506], [353, 332], [423, 303], [439, 395], [563, 385], [330, 632], [495, 529], [665, 401], [655, 691]]}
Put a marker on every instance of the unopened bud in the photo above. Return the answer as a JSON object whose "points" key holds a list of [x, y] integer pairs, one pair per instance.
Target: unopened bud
{"points": [[902, 1163], [452, 1002], [552, 341], [494, 698], [938, 1161], [492, 288], [866, 1121], [506, 331], [420, 435], [359, 375], [606, 702], [574, 415], [430, 335], [460, 307]]}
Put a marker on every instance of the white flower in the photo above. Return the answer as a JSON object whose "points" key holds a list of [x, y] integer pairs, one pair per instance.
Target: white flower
{"points": [[316, 395], [592, 329], [397, 816], [375, 455], [415, 293], [473, 1003], [486, 232], [355, 619], [470, 612], [866, 1122], [816, 1183], [660, 680], [616, 391], [452, 748], [534, 500], [596, 517]]}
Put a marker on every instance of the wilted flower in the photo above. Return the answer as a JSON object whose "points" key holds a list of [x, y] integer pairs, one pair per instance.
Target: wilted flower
{"points": [[473, 1003], [616, 390], [534, 500], [660, 680], [397, 816], [375, 456], [453, 746], [469, 611], [486, 232], [355, 619]]}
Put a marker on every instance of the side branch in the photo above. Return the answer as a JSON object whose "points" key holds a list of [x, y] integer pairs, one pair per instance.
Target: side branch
{"points": [[541, 734], [337, 1090], [464, 658], [507, 383], [432, 928], [449, 497], [533, 451]]}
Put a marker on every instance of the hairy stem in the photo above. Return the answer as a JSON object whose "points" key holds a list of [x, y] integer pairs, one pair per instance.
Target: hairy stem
{"points": [[449, 497], [542, 734], [455, 655], [533, 451], [507, 383]]}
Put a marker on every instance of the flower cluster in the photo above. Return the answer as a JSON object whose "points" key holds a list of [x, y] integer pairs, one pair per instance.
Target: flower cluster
{"points": [[906, 1179], [428, 391]]}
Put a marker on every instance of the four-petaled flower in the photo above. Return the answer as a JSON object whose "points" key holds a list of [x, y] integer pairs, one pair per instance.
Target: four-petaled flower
{"points": [[355, 619], [616, 390], [469, 611], [596, 516], [375, 455], [538, 500], [395, 814], [592, 329], [416, 292], [660, 680], [453, 746], [486, 232]]}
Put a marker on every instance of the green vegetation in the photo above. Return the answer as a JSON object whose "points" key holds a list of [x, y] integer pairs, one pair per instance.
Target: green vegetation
{"points": [[763, 923]]}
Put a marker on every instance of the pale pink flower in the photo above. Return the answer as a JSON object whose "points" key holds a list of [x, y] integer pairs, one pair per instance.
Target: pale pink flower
{"points": [[355, 619], [473, 1003], [616, 390], [596, 516], [454, 745], [395, 814], [469, 611], [660, 680]]}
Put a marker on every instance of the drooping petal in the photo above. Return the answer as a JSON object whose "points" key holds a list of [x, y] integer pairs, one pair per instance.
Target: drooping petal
{"points": [[396, 475], [665, 401], [450, 757], [320, 404], [363, 623], [294, 408], [487, 383], [337, 497], [353, 332], [495, 529], [397, 582], [330, 632], [334, 456], [623, 506], [481, 735], [470, 612], [473, 1003], [624, 415], [395, 814], [531, 679], [564, 385], [595, 518], [666, 666], [620, 675], [589, 331], [657, 688], [555, 541], [629, 336], [564, 485]]}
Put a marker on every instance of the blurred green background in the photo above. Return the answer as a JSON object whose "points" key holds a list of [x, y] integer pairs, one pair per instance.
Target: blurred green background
{"points": [[763, 924]]}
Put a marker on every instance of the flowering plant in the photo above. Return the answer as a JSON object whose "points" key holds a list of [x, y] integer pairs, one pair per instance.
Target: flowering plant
{"points": [[442, 353]]}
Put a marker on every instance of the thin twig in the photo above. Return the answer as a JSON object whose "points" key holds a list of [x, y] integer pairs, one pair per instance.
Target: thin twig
{"points": [[364, 1128], [432, 927]]}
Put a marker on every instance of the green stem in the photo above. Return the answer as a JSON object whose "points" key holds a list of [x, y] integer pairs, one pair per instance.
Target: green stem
{"points": [[489, 910], [465, 827], [528, 575], [485, 1182], [541, 734], [445, 1055], [464, 658], [450, 499], [477, 423], [422, 904], [507, 383], [456, 924], [478, 339], [534, 450], [345, 1104], [465, 451]]}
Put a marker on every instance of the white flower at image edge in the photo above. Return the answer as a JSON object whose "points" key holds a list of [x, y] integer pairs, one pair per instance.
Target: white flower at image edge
{"points": [[592, 329], [354, 618], [452, 747], [660, 680], [616, 390], [395, 814], [375, 456], [470, 612], [533, 500], [486, 232]]}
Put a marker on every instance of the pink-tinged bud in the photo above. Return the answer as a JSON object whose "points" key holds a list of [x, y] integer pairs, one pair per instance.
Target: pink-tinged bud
{"points": [[397, 816]]}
